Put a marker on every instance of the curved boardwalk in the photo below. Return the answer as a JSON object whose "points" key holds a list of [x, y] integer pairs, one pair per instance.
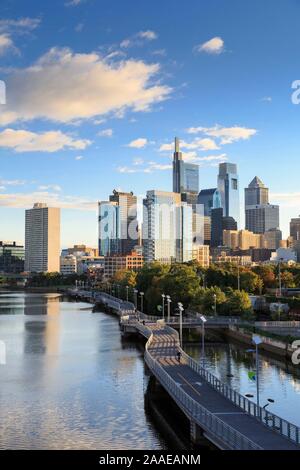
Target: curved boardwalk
{"points": [[215, 410]]}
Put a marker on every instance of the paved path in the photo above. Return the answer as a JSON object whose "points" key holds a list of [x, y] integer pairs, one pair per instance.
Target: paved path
{"points": [[164, 349]]}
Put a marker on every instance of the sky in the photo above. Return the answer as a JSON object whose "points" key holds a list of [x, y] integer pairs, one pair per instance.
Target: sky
{"points": [[96, 90]]}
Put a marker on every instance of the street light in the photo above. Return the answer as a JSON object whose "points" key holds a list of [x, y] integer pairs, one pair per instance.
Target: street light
{"points": [[135, 292], [180, 306], [215, 304], [163, 305], [203, 319], [257, 341], [142, 296], [238, 270], [169, 305], [127, 287]]}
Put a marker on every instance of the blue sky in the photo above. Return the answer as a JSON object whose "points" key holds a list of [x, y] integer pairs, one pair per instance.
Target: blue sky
{"points": [[97, 90]]}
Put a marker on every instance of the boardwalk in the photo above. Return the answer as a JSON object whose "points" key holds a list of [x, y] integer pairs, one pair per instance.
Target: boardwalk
{"points": [[216, 411]]}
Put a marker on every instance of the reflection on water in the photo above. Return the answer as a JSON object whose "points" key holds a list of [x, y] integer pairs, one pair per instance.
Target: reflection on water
{"points": [[278, 379], [70, 381]]}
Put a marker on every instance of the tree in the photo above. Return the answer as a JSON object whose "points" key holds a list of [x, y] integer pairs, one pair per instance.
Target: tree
{"points": [[205, 301], [287, 279], [249, 281], [238, 302], [125, 278], [181, 283], [267, 274]]}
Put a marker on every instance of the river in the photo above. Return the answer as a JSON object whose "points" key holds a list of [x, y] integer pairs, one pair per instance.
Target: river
{"points": [[71, 381]]}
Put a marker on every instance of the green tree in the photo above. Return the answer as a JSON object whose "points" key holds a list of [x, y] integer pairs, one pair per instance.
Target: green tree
{"points": [[287, 279], [181, 283], [249, 281], [238, 302]]}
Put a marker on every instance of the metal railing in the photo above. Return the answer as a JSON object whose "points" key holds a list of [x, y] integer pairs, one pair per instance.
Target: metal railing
{"points": [[229, 436], [268, 419]]}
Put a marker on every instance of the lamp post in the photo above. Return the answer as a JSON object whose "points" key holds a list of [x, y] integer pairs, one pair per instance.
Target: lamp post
{"points": [[163, 305], [257, 341], [169, 305], [135, 292], [203, 319], [127, 287], [215, 304], [180, 306], [238, 270], [142, 298], [279, 277]]}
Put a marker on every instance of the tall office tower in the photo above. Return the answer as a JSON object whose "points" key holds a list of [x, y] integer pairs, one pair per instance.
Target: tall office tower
{"points": [[211, 199], [118, 227], [11, 257], [167, 228], [272, 239], [261, 218], [216, 238], [256, 193], [42, 239], [295, 228], [228, 186], [185, 177]]}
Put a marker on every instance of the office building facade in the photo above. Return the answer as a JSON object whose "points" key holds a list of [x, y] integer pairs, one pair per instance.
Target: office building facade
{"points": [[256, 193], [295, 228], [12, 257], [118, 226], [211, 199], [185, 177], [228, 186], [261, 218], [42, 239]]}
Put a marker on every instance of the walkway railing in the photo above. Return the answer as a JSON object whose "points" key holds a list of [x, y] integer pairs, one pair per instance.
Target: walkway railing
{"points": [[204, 418]]}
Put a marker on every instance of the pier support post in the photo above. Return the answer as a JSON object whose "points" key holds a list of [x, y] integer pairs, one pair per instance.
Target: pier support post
{"points": [[196, 434]]}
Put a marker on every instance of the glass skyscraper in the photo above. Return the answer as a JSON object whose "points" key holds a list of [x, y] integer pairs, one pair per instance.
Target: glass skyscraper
{"points": [[211, 199], [256, 193], [185, 177], [118, 225], [228, 186]]}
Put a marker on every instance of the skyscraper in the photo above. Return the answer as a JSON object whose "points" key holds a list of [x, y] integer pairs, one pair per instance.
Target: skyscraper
{"points": [[256, 193], [42, 239], [185, 177], [167, 228], [261, 218], [211, 199], [228, 186], [118, 224], [295, 228]]}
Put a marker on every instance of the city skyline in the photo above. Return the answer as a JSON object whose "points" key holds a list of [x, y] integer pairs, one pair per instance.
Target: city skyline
{"points": [[219, 89]]}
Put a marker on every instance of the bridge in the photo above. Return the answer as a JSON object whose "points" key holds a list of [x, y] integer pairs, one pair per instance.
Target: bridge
{"points": [[215, 411]]}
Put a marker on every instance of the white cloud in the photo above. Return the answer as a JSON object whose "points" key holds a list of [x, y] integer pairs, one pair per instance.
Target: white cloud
{"points": [[45, 187], [227, 135], [6, 43], [268, 99], [194, 158], [138, 143], [105, 133], [149, 35], [291, 199], [79, 157], [25, 200], [213, 46], [64, 86], [73, 3], [50, 141], [10, 27], [139, 166], [196, 144], [138, 39], [12, 182]]}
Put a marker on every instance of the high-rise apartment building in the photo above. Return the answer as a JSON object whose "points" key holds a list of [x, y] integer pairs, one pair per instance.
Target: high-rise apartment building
{"points": [[42, 239], [228, 186], [167, 228], [185, 177], [211, 199], [256, 193], [118, 226], [261, 218]]}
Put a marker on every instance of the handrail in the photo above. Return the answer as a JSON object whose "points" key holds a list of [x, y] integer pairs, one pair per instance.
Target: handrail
{"points": [[268, 419], [207, 420]]}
